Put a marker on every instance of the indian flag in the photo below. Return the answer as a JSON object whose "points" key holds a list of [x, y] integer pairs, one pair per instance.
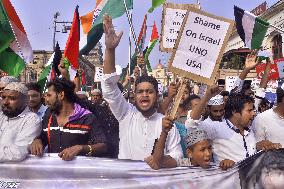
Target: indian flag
{"points": [[16, 50], [251, 29], [151, 45], [92, 22]]}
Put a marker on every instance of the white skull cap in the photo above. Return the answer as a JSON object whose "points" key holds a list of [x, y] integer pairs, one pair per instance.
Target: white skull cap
{"points": [[16, 86], [216, 100]]}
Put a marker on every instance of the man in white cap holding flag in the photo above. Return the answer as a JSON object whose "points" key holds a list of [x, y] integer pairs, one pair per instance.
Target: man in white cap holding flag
{"points": [[18, 125]]}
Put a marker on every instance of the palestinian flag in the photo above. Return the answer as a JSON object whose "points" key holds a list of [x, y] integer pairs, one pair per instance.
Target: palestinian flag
{"points": [[46, 73], [251, 29], [92, 22], [142, 35], [155, 4], [51, 70], [71, 52], [151, 45], [15, 48]]}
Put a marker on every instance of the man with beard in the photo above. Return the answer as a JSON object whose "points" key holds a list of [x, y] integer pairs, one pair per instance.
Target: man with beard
{"points": [[233, 140], [96, 96], [18, 125], [4, 81], [67, 128], [35, 99], [216, 109], [139, 124]]}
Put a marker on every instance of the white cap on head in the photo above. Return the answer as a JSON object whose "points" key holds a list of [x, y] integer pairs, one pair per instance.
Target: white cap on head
{"points": [[8, 79], [16, 86], [97, 91], [216, 100], [82, 93], [194, 136]]}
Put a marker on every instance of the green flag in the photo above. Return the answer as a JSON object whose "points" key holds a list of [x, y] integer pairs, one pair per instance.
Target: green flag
{"points": [[13, 54], [155, 4], [6, 33], [114, 8]]}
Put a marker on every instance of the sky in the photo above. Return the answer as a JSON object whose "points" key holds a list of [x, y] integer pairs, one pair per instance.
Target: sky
{"points": [[37, 18]]}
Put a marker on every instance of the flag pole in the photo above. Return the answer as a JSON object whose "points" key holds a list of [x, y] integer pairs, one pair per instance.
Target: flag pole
{"points": [[129, 64], [131, 25], [129, 38]]}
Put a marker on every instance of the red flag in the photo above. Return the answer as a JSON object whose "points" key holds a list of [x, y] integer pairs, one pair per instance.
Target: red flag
{"points": [[273, 74], [155, 34], [83, 78], [71, 52]]}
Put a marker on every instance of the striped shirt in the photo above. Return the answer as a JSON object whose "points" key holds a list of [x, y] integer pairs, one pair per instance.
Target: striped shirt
{"points": [[80, 131]]}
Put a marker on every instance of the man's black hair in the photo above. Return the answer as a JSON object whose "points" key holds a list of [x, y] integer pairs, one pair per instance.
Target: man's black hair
{"points": [[246, 86], [236, 104], [225, 93], [67, 86], [149, 79], [189, 99], [34, 86]]}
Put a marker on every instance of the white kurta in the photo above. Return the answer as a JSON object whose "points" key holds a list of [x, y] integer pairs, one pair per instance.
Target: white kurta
{"points": [[16, 134], [137, 133], [269, 126]]}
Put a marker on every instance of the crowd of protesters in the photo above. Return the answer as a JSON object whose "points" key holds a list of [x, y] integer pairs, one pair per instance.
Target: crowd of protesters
{"points": [[218, 128]]}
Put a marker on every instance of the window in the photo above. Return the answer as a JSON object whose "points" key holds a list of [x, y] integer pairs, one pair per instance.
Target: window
{"points": [[277, 47]]}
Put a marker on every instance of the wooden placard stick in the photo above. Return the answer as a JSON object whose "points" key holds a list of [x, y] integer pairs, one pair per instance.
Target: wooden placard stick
{"points": [[175, 104]]}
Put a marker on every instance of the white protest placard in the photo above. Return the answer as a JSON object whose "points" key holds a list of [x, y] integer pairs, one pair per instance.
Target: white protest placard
{"points": [[173, 16], [200, 46], [230, 81], [98, 74]]}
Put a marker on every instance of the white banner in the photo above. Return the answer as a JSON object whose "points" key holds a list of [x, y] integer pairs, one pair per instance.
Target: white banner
{"points": [[263, 170]]}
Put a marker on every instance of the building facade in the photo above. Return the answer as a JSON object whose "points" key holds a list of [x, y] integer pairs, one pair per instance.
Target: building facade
{"points": [[87, 63]]}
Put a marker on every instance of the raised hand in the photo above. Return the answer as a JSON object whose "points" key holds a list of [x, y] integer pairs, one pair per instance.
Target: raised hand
{"points": [[172, 90], [111, 38], [63, 69], [167, 124], [251, 60], [212, 91]]}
